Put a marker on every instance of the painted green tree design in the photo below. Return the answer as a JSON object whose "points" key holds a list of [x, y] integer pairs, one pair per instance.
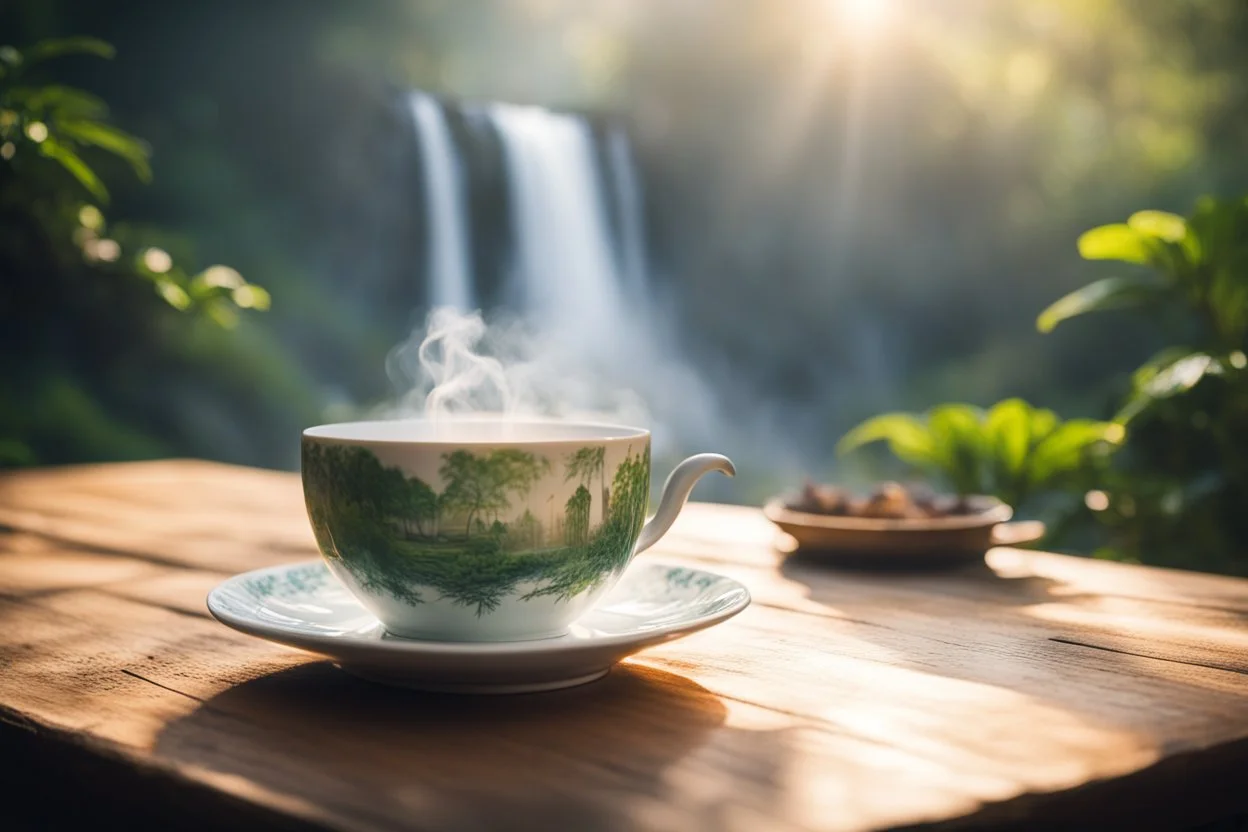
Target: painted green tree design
{"points": [[586, 463], [609, 547], [516, 471], [469, 486], [385, 528], [576, 523], [525, 533], [631, 490], [484, 484], [422, 507]]}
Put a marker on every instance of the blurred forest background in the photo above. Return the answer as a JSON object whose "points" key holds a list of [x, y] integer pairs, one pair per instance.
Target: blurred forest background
{"points": [[851, 207]]}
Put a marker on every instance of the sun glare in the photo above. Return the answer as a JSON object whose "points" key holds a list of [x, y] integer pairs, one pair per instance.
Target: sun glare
{"points": [[864, 17]]}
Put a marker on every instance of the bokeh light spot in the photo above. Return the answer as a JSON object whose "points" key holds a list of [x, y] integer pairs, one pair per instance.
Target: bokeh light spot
{"points": [[221, 277], [157, 260], [90, 217], [1096, 500], [107, 250]]}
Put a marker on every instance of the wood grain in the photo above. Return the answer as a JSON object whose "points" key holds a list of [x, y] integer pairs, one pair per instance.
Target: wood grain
{"points": [[1032, 690]]}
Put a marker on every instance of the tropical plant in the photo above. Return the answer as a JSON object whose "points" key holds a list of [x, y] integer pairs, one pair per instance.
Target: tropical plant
{"points": [[1011, 450], [79, 294], [1184, 473], [49, 124], [1196, 285]]}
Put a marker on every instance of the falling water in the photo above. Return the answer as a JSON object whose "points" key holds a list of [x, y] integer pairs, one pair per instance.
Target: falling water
{"points": [[632, 240], [450, 271], [576, 264], [574, 268], [565, 271]]}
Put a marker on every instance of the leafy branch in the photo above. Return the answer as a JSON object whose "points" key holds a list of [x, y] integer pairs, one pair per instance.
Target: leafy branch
{"points": [[1198, 267], [43, 123]]}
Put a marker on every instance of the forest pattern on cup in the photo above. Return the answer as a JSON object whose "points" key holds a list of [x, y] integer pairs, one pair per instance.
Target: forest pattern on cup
{"points": [[473, 537]]}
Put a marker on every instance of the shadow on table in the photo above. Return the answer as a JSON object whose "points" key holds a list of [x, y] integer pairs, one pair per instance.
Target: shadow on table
{"points": [[835, 584], [377, 753]]}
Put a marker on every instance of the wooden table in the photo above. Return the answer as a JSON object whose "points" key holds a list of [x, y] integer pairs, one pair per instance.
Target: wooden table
{"points": [[1036, 691]]}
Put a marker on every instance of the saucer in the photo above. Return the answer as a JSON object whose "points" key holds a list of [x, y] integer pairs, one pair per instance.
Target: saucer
{"points": [[302, 605]]}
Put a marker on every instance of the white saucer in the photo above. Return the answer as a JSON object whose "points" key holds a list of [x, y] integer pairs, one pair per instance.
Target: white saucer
{"points": [[303, 606]]}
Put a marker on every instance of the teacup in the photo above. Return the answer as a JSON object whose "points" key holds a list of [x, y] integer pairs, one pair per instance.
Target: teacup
{"points": [[485, 530]]}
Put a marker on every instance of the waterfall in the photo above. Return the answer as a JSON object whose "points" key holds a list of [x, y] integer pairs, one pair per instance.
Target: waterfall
{"points": [[565, 276], [631, 251], [556, 221], [449, 264]]}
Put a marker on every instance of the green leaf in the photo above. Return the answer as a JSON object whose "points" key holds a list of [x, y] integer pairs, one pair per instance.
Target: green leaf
{"points": [[59, 99], [1147, 371], [1109, 293], [57, 47], [1007, 432], [173, 294], [1228, 302], [1170, 373], [1117, 241], [70, 160], [958, 444], [109, 138], [1164, 226], [908, 438], [222, 314], [1063, 450]]}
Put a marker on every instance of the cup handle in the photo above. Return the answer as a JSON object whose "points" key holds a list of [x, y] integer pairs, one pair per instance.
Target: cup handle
{"points": [[676, 491]]}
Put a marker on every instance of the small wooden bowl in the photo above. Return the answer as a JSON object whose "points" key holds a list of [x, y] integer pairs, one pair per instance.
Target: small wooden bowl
{"points": [[886, 543]]}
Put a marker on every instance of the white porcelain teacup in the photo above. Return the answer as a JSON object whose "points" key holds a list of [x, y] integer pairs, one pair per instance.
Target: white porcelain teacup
{"points": [[485, 530]]}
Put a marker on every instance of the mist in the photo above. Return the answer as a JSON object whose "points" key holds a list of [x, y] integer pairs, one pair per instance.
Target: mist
{"points": [[458, 364]]}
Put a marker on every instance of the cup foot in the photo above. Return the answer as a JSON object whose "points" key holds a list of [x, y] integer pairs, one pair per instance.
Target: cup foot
{"points": [[425, 635], [397, 678]]}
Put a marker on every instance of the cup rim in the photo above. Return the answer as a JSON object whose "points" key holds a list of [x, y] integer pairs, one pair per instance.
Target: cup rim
{"points": [[355, 432]]}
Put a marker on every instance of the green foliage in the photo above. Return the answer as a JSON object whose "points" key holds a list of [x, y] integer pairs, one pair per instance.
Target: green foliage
{"points": [[1110, 293], [57, 121], [1198, 266], [60, 258], [1011, 451], [1183, 476]]}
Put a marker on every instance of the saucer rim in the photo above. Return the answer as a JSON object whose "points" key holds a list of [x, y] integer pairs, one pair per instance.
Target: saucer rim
{"points": [[566, 644]]}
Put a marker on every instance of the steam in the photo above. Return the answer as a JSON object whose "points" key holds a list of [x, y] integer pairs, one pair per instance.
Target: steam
{"points": [[593, 343], [459, 365], [456, 365]]}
